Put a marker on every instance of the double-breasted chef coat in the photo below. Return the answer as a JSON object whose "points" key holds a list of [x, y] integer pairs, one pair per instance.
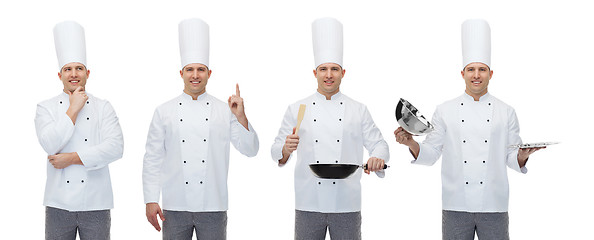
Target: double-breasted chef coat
{"points": [[187, 153], [96, 138], [332, 131], [473, 138]]}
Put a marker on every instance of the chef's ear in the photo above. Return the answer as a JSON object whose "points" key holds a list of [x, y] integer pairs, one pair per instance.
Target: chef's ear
{"points": [[491, 74], [60, 75], [315, 73]]}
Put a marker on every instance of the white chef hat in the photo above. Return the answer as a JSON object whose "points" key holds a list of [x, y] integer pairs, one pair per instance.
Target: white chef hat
{"points": [[194, 42], [69, 38], [476, 42], [327, 41]]}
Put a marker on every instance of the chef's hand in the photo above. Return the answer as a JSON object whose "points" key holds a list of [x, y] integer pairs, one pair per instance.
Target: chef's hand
{"points": [[403, 137], [152, 209], [236, 105], [406, 138], [524, 153], [77, 102], [374, 164], [291, 143], [63, 160]]}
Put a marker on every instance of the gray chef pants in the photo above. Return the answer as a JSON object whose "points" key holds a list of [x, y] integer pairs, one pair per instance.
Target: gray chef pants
{"points": [[181, 225], [462, 225], [62, 224], [342, 226]]}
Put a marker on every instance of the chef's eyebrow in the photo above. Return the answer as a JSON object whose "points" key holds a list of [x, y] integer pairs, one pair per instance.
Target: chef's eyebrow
{"points": [[80, 66], [464, 69], [65, 68], [184, 68], [339, 67]]}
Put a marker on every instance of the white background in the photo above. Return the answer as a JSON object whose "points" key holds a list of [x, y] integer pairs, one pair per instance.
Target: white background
{"points": [[542, 62]]}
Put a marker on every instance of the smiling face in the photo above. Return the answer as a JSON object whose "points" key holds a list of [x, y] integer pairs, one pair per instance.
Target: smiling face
{"points": [[73, 75], [195, 77], [329, 77], [476, 76]]}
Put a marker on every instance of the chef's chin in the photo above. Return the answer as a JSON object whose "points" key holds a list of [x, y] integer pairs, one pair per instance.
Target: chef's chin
{"points": [[72, 88], [329, 89]]}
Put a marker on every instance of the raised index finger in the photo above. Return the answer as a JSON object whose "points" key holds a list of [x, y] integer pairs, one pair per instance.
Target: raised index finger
{"points": [[237, 89]]}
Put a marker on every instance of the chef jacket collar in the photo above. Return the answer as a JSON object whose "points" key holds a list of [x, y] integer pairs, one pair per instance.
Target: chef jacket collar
{"points": [[336, 96], [481, 99], [189, 98]]}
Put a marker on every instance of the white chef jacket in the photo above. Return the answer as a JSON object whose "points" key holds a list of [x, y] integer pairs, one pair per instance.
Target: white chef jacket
{"points": [[332, 131], [96, 138], [474, 138], [187, 153]]}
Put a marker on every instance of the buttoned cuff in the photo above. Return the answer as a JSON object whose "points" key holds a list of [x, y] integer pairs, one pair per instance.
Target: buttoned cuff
{"points": [[277, 155], [151, 199], [90, 162], [246, 135], [248, 140], [64, 122], [381, 173], [425, 157], [514, 164]]}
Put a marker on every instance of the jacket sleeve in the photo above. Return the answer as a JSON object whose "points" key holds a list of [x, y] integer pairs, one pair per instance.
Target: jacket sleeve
{"points": [[431, 148], [111, 143], [289, 121], [244, 140], [373, 140], [513, 137], [53, 132], [153, 159]]}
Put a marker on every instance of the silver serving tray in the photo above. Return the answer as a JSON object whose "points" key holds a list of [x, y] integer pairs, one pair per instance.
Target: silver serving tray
{"points": [[533, 145]]}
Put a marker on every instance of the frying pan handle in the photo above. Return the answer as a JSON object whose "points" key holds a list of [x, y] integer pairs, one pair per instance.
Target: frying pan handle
{"points": [[365, 166]]}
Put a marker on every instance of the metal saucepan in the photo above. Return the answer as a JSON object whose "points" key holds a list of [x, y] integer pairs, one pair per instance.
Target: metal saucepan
{"points": [[336, 171], [411, 119]]}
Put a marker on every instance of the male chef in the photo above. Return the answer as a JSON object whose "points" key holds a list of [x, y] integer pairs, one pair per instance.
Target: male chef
{"points": [[473, 133], [187, 148], [334, 130], [81, 135]]}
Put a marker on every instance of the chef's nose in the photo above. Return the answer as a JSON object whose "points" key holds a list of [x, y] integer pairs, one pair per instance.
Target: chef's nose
{"points": [[476, 74]]}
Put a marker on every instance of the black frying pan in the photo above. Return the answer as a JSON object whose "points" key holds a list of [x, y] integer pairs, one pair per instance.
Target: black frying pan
{"points": [[336, 171]]}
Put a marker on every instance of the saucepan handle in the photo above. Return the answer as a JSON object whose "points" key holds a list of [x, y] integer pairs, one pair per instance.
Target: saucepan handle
{"points": [[365, 166]]}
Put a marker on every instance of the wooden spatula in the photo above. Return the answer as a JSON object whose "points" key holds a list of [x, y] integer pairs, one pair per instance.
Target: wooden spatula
{"points": [[300, 117]]}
